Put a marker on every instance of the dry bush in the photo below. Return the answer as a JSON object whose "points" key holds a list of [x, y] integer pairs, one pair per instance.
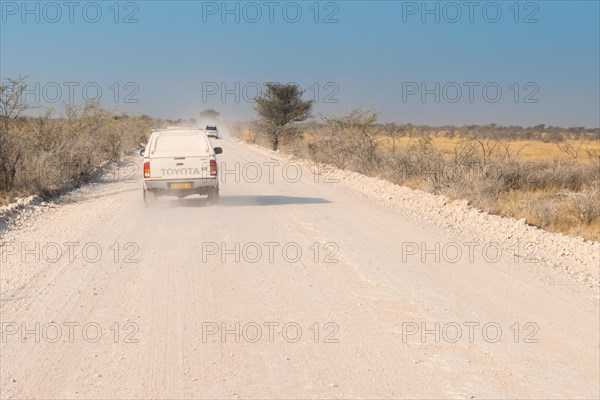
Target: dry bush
{"points": [[45, 153], [545, 209], [560, 177], [347, 142], [585, 206]]}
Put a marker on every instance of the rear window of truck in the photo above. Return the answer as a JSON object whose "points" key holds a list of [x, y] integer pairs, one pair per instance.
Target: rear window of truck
{"points": [[180, 144]]}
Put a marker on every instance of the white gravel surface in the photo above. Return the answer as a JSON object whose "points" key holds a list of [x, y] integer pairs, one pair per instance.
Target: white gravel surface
{"points": [[386, 264], [575, 257]]}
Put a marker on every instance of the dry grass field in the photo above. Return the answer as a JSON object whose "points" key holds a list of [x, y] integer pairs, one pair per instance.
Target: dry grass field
{"points": [[522, 150]]}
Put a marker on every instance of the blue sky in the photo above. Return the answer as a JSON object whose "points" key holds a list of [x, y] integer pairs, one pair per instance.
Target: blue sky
{"points": [[504, 62]]}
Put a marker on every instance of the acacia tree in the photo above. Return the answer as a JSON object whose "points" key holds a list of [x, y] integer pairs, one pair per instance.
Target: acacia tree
{"points": [[210, 113], [280, 105]]}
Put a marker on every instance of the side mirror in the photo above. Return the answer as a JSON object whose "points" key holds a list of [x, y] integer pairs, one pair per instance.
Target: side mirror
{"points": [[142, 152], [218, 150]]}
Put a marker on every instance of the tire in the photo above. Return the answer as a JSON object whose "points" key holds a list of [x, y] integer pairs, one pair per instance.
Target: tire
{"points": [[213, 196], [149, 198]]}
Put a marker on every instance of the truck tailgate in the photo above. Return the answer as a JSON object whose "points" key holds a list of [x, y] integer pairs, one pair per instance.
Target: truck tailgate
{"points": [[179, 167]]}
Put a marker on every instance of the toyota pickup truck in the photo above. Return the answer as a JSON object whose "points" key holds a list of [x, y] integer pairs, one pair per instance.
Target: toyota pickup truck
{"points": [[180, 162]]}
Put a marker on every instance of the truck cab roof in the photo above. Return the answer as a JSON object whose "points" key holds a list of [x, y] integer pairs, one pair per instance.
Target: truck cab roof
{"points": [[179, 141]]}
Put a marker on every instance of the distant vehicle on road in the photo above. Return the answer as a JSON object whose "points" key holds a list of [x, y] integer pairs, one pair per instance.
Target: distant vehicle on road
{"points": [[180, 162], [212, 131]]}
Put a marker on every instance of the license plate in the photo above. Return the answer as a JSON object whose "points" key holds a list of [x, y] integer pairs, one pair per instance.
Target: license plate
{"points": [[186, 185]]}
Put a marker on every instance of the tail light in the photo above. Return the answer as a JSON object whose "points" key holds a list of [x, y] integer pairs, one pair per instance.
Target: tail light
{"points": [[147, 169], [213, 168]]}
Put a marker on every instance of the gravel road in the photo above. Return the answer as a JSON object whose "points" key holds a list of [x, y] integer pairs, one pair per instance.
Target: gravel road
{"points": [[298, 285]]}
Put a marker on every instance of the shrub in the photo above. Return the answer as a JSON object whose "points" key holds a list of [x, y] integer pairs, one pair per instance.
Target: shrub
{"points": [[43, 154]]}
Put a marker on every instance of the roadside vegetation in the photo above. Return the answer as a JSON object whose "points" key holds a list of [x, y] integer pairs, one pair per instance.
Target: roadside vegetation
{"points": [[548, 175], [51, 151], [278, 108]]}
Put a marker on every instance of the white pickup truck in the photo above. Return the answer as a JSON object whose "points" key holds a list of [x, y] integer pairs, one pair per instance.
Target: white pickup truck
{"points": [[180, 162], [212, 131]]}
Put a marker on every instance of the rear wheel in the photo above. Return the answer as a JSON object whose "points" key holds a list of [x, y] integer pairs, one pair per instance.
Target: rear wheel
{"points": [[213, 195]]}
